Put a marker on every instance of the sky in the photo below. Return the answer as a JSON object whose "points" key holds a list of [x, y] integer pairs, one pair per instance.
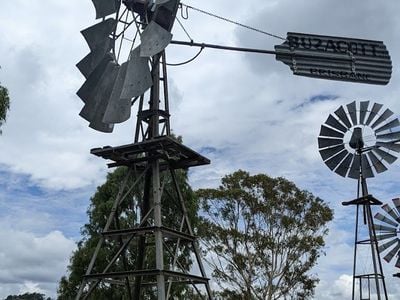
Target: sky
{"points": [[243, 111]]}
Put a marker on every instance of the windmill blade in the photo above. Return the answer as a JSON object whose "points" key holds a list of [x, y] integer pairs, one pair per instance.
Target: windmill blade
{"points": [[329, 152], [331, 121], [391, 212], [384, 219], [375, 109], [381, 237], [105, 7], [154, 40], [397, 265], [384, 228], [363, 111], [344, 165], [386, 115], [341, 113], [333, 162], [165, 13], [89, 63], [353, 112], [392, 124], [389, 136], [387, 245], [366, 167], [389, 158], [118, 110], [90, 84], [396, 203], [98, 34], [378, 165], [326, 131], [138, 76], [355, 168], [326, 142], [388, 257], [391, 146]]}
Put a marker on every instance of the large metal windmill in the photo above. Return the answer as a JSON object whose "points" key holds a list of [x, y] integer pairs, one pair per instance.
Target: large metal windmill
{"points": [[359, 141]]}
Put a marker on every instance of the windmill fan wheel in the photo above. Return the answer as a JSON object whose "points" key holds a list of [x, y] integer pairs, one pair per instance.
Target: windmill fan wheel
{"points": [[360, 137]]}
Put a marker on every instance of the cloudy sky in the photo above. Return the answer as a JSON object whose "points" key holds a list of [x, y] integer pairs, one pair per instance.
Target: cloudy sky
{"points": [[242, 111]]}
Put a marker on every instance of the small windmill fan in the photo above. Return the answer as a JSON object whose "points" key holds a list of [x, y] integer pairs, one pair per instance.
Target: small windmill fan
{"points": [[140, 27], [389, 231], [357, 135]]}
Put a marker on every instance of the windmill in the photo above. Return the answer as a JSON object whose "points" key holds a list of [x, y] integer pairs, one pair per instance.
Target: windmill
{"points": [[359, 141]]}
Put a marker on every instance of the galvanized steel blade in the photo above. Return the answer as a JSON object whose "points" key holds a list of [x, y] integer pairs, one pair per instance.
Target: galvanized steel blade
{"points": [[388, 257], [344, 166], [389, 158], [355, 168], [329, 152], [351, 107], [391, 146], [366, 167], [341, 113], [382, 118], [138, 76], [387, 245], [154, 39], [328, 132], [392, 124], [333, 162], [374, 111], [118, 109], [363, 111], [381, 237], [328, 142], [88, 88], [378, 165], [396, 203], [389, 136], [397, 265], [384, 219], [334, 123], [105, 7], [391, 212], [97, 35], [384, 228]]}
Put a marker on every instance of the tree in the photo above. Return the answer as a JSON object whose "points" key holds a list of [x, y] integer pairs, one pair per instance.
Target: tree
{"points": [[28, 296], [262, 236], [98, 212], [4, 104]]}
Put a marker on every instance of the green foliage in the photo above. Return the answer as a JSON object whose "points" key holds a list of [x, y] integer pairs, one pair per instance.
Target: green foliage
{"points": [[4, 104], [262, 236], [28, 296]]}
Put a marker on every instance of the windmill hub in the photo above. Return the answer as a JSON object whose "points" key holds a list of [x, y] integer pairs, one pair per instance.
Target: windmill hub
{"points": [[356, 140]]}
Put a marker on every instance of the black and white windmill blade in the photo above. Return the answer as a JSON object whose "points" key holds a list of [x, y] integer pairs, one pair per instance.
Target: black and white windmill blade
{"points": [[110, 86], [388, 231], [359, 119]]}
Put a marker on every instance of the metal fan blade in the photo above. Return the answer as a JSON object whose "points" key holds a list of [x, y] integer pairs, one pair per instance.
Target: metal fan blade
{"points": [[381, 237], [378, 165], [154, 40], [386, 115], [384, 219], [331, 121], [391, 212], [388, 257], [391, 146], [341, 113], [326, 131], [94, 109], [375, 109], [397, 265], [389, 158], [366, 167], [90, 84], [380, 227], [353, 112], [392, 124], [165, 14], [118, 110], [387, 245], [329, 152], [363, 111], [325, 142], [105, 7], [355, 168], [396, 203], [389, 136], [92, 60], [344, 165], [138, 76], [97, 35], [333, 162]]}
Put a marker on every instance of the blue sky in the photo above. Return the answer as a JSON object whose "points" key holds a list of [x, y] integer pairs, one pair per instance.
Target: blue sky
{"points": [[243, 111]]}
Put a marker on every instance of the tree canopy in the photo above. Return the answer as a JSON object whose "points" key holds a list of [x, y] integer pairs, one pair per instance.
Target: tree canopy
{"points": [[4, 104], [262, 236], [28, 296]]}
